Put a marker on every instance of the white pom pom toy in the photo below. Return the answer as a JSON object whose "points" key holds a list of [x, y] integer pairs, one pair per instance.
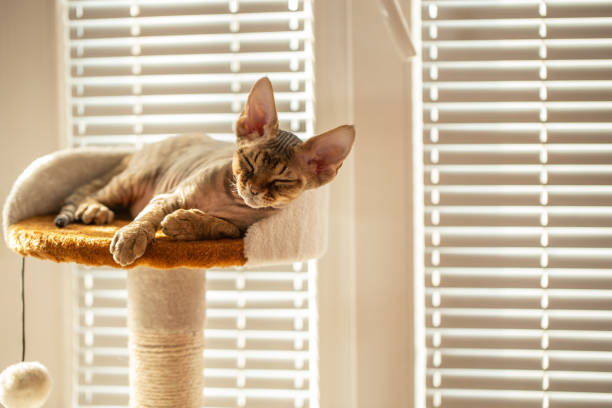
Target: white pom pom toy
{"points": [[25, 385]]}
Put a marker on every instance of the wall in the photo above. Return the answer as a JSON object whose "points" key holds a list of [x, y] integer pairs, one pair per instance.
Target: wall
{"points": [[28, 129]]}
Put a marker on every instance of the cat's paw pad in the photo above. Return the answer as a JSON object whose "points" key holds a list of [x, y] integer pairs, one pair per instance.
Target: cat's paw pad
{"points": [[183, 224], [130, 243], [94, 212]]}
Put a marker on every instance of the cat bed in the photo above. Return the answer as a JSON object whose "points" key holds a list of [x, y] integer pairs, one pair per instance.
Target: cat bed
{"points": [[296, 233], [89, 245]]}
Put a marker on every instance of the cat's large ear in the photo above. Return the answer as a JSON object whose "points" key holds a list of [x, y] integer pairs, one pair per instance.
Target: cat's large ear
{"points": [[258, 117], [322, 156]]}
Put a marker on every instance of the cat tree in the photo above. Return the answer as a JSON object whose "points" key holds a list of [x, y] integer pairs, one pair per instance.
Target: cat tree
{"points": [[166, 287]]}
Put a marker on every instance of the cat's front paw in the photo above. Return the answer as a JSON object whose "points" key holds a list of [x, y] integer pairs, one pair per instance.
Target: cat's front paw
{"points": [[130, 242], [193, 224], [183, 225]]}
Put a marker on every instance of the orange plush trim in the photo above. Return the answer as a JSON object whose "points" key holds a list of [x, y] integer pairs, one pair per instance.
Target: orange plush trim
{"points": [[89, 245]]}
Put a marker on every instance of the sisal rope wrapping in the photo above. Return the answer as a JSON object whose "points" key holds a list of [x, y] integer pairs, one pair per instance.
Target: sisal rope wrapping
{"points": [[166, 310], [166, 369]]}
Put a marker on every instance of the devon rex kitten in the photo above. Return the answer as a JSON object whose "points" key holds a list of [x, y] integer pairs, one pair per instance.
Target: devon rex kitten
{"points": [[199, 188]]}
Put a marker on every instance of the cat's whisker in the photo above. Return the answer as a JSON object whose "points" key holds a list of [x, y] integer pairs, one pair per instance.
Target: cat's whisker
{"points": [[234, 184]]}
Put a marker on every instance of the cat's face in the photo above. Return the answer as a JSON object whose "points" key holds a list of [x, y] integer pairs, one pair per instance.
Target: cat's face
{"points": [[271, 167], [265, 177]]}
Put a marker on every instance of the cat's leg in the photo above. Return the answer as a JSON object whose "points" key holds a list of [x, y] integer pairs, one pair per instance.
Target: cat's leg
{"points": [[131, 241], [95, 207], [118, 191], [82, 204], [193, 224]]}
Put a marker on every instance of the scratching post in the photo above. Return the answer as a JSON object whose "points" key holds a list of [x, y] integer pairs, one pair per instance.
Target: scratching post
{"points": [[166, 288], [166, 310]]}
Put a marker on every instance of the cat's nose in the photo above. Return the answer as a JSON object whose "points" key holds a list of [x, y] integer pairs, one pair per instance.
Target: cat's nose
{"points": [[254, 190]]}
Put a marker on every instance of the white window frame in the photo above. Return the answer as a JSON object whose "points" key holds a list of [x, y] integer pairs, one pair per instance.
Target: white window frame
{"points": [[377, 354]]}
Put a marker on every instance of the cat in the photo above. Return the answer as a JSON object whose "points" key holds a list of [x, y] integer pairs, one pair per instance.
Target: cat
{"points": [[195, 187]]}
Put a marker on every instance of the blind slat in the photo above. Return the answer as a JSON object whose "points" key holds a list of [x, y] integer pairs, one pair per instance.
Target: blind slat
{"points": [[179, 20]]}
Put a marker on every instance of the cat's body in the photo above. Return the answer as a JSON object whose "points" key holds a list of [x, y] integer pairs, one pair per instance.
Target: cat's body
{"points": [[199, 168], [195, 187]]}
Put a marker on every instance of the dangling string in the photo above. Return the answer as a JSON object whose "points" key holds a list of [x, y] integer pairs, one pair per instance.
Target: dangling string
{"points": [[23, 339]]}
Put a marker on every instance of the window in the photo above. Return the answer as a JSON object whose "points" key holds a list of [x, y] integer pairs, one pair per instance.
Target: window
{"points": [[517, 152], [138, 71]]}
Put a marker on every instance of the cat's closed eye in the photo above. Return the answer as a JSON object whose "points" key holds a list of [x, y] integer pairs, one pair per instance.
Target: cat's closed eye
{"points": [[250, 167], [283, 182]]}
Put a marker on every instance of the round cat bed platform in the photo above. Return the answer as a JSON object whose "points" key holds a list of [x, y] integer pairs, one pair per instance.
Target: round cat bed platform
{"points": [[166, 287], [89, 245]]}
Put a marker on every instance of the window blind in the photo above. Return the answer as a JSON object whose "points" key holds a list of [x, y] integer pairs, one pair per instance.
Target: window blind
{"points": [[139, 71], [142, 70], [517, 154]]}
